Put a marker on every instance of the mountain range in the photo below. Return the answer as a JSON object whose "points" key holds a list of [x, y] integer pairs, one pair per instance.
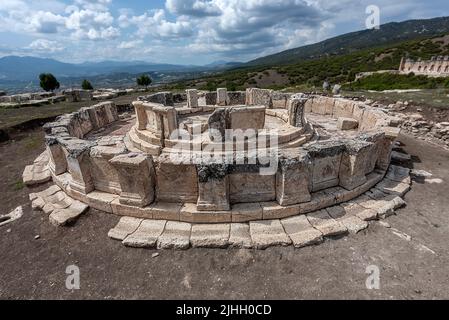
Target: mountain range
{"points": [[387, 34]]}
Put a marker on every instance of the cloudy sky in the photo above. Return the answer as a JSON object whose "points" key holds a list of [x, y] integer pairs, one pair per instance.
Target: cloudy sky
{"points": [[186, 31]]}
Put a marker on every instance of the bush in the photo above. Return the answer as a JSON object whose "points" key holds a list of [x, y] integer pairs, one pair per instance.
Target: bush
{"points": [[86, 85], [48, 82], [144, 80]]}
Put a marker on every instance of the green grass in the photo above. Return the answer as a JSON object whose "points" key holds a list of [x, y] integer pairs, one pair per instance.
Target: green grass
{"points": [[385, 81], [18, 185]]}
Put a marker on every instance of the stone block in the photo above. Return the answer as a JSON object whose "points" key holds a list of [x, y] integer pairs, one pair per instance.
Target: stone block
{"points": [[347, 124], [247, 118], [176, 235], [146, 234], [399, 174], [252, 187], [190, 213], [293, 178], [326, 159], [166, 211], [347, 218], [104, 175], [245, 212], [268, 233], [259, 97], [210, 235], [213, 188], [240, 236], [328, 226], [65, 216], [323, 105], [273, 210], [296, 111], [237, 98], [222, 97], [192, 98], [137, 179], [354, 163], [343, 108], [301, 231], [172, 186], [124, 228], [381, 151]]}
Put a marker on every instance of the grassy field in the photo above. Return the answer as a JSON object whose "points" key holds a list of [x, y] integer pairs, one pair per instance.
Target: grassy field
{"points": [[434, 98], [13, 117]]}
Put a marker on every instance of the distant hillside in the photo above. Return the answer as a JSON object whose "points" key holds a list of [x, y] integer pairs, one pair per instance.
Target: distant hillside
{"points": [[335, 69], [13, 68], [390, 33]]}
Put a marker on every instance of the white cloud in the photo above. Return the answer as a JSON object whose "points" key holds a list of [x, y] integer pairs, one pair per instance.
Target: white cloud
{"points": [[198, 8], [46, 22], [155, 24], [130, 44], [45, 45]]}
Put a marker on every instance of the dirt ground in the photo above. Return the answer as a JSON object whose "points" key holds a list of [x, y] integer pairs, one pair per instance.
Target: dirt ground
{"points": [[35, 268]]}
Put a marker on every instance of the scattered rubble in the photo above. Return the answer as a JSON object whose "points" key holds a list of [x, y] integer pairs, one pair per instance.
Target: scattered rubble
{"points": [[14, 215]]}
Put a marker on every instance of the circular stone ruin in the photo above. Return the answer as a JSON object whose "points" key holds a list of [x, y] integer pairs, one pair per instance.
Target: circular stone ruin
{"points": [[302, 167]]}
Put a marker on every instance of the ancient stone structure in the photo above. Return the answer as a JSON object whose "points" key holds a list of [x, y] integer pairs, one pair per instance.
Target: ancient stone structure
{"points": [[435, 67], [175, 175]]}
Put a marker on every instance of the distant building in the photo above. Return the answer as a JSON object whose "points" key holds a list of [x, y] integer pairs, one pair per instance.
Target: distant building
{"points": [[435, 67]]}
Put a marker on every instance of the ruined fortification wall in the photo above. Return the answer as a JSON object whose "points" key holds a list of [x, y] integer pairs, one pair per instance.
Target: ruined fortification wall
{"points": [[436, 67]]}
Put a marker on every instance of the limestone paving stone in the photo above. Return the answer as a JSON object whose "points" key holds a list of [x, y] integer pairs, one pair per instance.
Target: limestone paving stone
{"points": [[176, 235], [399, 174], [146, 234], [322, 221], [364, 214], [244, 212], [240, 236], [394, 188], [353, 223], [301, 231], [125, 227], [268, 233], [62, 217], [210, 235]]}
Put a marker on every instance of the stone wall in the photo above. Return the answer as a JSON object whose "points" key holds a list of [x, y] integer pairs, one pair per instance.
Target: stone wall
{"points": [[435, 67]]}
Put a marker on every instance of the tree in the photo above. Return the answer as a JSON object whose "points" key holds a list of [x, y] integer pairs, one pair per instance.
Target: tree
{"points": [[48, 82], [144, 80], [86, 85]]}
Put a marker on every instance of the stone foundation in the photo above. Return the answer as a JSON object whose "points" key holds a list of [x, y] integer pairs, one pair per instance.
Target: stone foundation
{"points": [[151, 173]]}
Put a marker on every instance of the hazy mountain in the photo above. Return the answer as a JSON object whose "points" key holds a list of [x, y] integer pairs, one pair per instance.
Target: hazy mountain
{"points": [[389, 33], [13, 68]]}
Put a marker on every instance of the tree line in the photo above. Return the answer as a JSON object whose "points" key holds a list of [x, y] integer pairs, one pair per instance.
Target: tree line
{"points": [[48, 82]]}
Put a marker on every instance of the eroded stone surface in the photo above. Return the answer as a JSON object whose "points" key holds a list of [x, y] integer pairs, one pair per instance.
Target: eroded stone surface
{"points": [[268, 233], [210, 235], [328, 226], [61, 208], [176, 235], [125, 227], [240, 236], [146, 234], [301, 231], [38, 172]]}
